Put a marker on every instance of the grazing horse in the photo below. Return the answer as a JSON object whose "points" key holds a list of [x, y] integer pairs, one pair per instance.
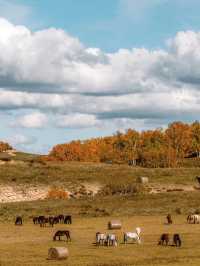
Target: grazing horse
{"points": [[101, 239], [62, 233], [111, 240], [177, 240], [61, 218], [68, 219], [193, 219], [134, 236], [169, 219], [164, 239], [43, 221], [35, 219], [51, 221], [18, 220], [198, 179]]}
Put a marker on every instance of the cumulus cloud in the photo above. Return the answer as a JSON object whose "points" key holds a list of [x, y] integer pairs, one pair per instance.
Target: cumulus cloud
{"points": [[77, 121], [32, 120], [55, 75], [21, 140]]}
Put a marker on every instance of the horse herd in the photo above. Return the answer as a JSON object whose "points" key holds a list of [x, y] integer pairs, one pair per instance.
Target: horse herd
{"points": [[165, 238], [112, 240], [108, 239], [44, 221]]}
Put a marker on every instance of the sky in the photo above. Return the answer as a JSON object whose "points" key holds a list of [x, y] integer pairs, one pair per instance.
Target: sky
{"points": [[74, 69]]}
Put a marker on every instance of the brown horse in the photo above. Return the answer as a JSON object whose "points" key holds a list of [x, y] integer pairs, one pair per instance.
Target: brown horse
{"points": [[18, 220], [177, 240], [60, 233], [169, 219], [164, 239]]}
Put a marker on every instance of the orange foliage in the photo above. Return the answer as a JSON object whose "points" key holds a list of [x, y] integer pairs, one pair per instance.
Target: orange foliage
{"points": [[55, 193], [4, 146], [151, 148]]}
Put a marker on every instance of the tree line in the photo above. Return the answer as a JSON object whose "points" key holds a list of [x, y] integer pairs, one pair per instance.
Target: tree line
{"points": [[4, 146], [150, 148]]}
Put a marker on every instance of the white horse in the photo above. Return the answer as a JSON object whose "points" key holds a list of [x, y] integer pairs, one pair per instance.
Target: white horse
{"points": [[134, 236], [193, 218], [111, 240], [101, 239]]}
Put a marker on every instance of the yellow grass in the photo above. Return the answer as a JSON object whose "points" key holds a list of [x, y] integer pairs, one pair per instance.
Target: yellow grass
{"points": [[29, 244]]}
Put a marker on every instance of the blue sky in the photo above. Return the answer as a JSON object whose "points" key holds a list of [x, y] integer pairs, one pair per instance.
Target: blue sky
{"points": [[76, 69]]}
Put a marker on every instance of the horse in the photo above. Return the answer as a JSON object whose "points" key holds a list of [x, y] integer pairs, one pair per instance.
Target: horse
{"points": [[134, 236], [18, 220], [68, 219], [169, 219], [101, 239], [51, 221], [177, 240], [43, 221], [164, 239], [193, 218], [62, 233], [35, 219], [198, 179], [61, 218], [111, 240]]}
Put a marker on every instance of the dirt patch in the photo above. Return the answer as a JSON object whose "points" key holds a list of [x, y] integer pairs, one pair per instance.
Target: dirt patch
{"points": [[22, 193], [10, 193], [158, 188]]}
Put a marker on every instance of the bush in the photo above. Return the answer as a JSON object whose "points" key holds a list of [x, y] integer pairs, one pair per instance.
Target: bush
{"points": [[55, 193], [122, 189]]}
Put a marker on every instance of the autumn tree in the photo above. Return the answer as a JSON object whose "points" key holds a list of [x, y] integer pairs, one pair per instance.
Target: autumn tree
{"points": [[195, 129], [179, 139]]}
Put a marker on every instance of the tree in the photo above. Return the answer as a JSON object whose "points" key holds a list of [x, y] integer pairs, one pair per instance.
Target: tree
{"points": [[179, 139], [195, 128]]}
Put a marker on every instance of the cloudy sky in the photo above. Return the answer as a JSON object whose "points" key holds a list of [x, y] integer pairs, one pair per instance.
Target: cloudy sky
{"points": [[81, 69]]}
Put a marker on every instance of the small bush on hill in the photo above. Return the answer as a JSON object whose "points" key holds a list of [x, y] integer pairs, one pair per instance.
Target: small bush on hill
{"points": [[56, 193]]}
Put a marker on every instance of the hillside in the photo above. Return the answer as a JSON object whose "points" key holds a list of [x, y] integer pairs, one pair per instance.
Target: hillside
{"points": [[94, 189]]}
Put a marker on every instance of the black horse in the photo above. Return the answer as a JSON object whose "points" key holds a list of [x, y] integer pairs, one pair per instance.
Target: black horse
{"points": [[164, 239], [68, 219], [60, 233], [177, 240], [18, 220]]}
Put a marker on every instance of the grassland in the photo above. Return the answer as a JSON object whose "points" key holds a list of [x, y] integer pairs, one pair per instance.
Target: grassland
{"points": [[27, 169], [28, 245]]}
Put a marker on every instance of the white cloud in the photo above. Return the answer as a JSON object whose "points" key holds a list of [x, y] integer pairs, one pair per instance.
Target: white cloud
{"points": [[21, 140], [77, 121], [32, 120], [53, 74]]}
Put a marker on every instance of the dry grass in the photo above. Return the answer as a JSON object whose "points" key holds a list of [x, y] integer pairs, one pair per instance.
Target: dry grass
{"points": [[29, 244]]}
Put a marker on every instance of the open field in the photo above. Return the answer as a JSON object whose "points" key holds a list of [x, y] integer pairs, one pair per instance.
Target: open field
{"points": [[23, 169], [28, 245]]}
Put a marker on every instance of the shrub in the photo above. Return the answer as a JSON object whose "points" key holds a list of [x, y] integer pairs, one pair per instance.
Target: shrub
{"points": [[56, 193], [122, 189]]}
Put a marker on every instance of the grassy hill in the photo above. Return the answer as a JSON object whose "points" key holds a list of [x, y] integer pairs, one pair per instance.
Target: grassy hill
{"points": [[114, 179], [137, 207]]}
